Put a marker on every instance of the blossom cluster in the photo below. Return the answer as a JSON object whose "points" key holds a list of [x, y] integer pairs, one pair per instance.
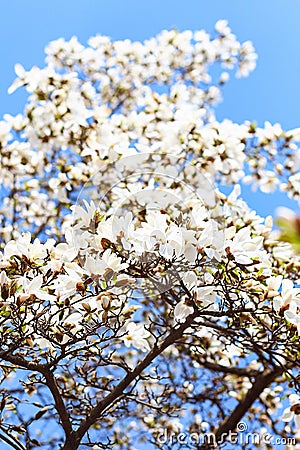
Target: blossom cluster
{"points": [[114, 227]]}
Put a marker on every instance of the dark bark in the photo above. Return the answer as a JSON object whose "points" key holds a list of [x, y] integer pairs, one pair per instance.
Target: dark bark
{"points": [[262, 381], [74, 439]]}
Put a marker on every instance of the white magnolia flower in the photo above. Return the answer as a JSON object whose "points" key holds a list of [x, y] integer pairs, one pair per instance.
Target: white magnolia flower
{"points": [[287, 295], [182, 311], [33, 287], [222, 27], [107, 260], [22, 246], [244, 247], [293, 411], [84, 215], [65, 285], [292, 314], [136, 336], [273, 285], [206, 296]]}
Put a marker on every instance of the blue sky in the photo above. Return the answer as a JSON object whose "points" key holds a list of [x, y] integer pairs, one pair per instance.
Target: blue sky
{"points": [[271, 93]]}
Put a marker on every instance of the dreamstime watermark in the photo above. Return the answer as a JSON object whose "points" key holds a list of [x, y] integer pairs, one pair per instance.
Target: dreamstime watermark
{"points": [[239, 437]]}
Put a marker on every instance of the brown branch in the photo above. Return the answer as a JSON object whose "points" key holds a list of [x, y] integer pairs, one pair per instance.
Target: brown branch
{"points": [[21, 362], [74, 439], [242, 372], [59, 404], [50, 383], [262, 381], [12, 442]]}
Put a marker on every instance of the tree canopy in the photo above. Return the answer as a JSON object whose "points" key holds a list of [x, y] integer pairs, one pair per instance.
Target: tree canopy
{"points": [[141, 305]]}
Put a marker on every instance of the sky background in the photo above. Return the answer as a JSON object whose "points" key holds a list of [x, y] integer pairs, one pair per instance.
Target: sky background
{"points": [[271, 93]]}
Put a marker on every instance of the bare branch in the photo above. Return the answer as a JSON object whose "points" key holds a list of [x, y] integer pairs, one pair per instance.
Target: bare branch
{"points": [[74, 440], [262, 381], [11, 440]]}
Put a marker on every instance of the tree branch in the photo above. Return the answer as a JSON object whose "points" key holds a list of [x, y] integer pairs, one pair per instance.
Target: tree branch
{"points": [[59, 404], [262, 381], [242, 372], [13, 443], [21, 362], [50, 383], [74, 440]]}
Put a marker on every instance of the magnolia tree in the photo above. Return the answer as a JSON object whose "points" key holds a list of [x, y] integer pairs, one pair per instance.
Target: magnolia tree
{"points": [[141, 307]]}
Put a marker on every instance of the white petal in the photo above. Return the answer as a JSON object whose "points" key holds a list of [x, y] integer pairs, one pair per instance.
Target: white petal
{"points": [[287, 415], [19, 70], [297, 421]]}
